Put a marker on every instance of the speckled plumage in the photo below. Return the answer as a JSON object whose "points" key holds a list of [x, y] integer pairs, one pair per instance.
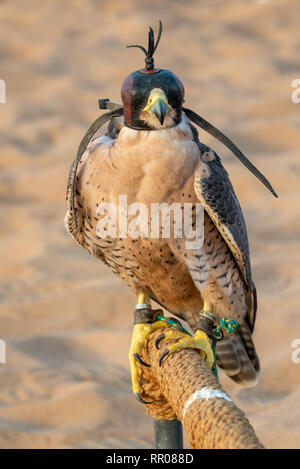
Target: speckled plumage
{"points": [[171, 165]]}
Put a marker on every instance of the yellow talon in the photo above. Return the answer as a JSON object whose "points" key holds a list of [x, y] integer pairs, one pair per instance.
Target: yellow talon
{"points": [[140, 336], [199, 341]]}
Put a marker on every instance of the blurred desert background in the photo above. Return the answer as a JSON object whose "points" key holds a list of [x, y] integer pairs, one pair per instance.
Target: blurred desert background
{"points": [[66, 320]]}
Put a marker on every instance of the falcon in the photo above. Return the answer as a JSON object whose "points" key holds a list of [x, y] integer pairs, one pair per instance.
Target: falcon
{"points": [[151, 153]]}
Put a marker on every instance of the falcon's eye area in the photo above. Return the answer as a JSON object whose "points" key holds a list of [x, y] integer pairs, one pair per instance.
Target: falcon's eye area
{"points": [[150, 100]]}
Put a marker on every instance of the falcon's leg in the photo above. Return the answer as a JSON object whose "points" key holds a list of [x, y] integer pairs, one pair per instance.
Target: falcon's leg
{"points": [[200, 341], [144, 325]]}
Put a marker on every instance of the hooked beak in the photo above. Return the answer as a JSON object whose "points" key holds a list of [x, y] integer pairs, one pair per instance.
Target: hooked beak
{"points": [[160, 110], [158, 105]]}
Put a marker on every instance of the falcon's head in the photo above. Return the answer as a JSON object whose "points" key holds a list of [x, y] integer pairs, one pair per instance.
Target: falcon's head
{"points": [[152, 98]]}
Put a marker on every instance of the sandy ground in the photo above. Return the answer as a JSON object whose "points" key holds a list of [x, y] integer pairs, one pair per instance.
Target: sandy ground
{"points": [[65, 318]]}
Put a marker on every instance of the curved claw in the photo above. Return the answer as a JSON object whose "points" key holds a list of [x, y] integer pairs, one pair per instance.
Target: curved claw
{"points": [[159, 339], [140, 399], [140, 361], [163, 355]]}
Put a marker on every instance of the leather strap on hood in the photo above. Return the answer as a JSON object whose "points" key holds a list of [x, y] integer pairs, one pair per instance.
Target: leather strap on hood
{"points": [[229, 144], [85, 141]]}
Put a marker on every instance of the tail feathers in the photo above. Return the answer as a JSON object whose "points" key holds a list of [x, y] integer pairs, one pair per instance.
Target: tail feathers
{"points": [[236, 355]]}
